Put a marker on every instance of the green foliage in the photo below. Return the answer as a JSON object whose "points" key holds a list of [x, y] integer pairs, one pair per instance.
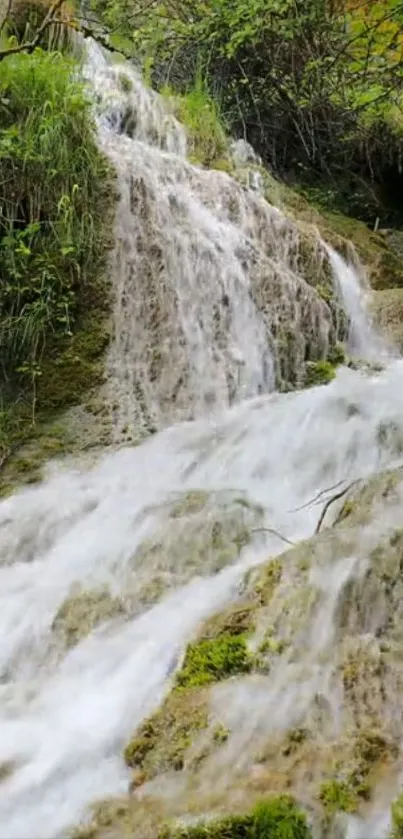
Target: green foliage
{"points": [[213, 659], [397, 818], [55, 201], [199, 112], [337, 795], [319, 373], [272, 818], [316, 87], [336, 355]]}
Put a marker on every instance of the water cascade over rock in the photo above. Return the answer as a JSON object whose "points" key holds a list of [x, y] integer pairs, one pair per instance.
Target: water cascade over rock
{"points": [[219, 296], [106, 573]]}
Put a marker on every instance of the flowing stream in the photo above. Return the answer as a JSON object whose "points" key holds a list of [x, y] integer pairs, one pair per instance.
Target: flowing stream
{"points": [[65, 713]]}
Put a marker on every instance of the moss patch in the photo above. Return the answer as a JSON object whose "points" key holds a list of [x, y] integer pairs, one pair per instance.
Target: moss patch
{"points": [[397, 818], [273, 818], [161, 742], [336, 796], [268, 578], [319, 373], [213, 659]]}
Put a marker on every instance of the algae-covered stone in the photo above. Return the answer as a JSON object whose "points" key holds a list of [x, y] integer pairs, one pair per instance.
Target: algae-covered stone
{"points": [[82, 612], [162, 741]]}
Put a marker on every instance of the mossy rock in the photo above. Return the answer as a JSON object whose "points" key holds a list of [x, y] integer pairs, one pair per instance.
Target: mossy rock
{"points": [[236, 620], [162, 741], [273, 818], [80, 613], [360, 500], [199, 533]]}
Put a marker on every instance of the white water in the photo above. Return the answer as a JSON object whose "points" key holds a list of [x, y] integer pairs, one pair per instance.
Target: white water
{"points": [[212, 301], [364, 342], [64, 716]]}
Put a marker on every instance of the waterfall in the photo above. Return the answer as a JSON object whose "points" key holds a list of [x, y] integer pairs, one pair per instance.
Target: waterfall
{"points": [[213, 299], [364, 341], [195, 353]]}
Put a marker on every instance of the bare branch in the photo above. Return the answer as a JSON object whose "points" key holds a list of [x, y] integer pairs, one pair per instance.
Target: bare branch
{"points": [[275, 532], [331, 501], [29, 46]]}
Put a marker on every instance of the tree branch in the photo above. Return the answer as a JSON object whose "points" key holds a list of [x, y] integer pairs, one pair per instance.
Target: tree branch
{"points": [[29, 46]]}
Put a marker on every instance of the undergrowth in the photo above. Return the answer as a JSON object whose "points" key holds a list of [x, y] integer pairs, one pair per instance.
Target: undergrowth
{"points": [[55, 201], [200, 113]]}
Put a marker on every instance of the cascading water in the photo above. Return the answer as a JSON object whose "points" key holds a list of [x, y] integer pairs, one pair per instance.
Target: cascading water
{"points": [[214, 301], [66, 710]]}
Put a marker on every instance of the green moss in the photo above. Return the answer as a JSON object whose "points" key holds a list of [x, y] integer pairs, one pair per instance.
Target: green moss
{"points": [[336, 355], [397, 818], [222, 164], [319, 373], [337, 795], [162, 740], [213, 659], [272, 818], [294, 740], [221, 734], [268, 580]]}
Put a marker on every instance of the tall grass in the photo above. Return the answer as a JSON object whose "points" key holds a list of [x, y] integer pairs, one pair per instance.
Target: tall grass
{"points": [[53, 192], [200, 113]]}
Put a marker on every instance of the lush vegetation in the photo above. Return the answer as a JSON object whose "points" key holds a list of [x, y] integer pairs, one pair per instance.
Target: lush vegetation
{"points": [[315, 85], [55, 197], [273, 818]]}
